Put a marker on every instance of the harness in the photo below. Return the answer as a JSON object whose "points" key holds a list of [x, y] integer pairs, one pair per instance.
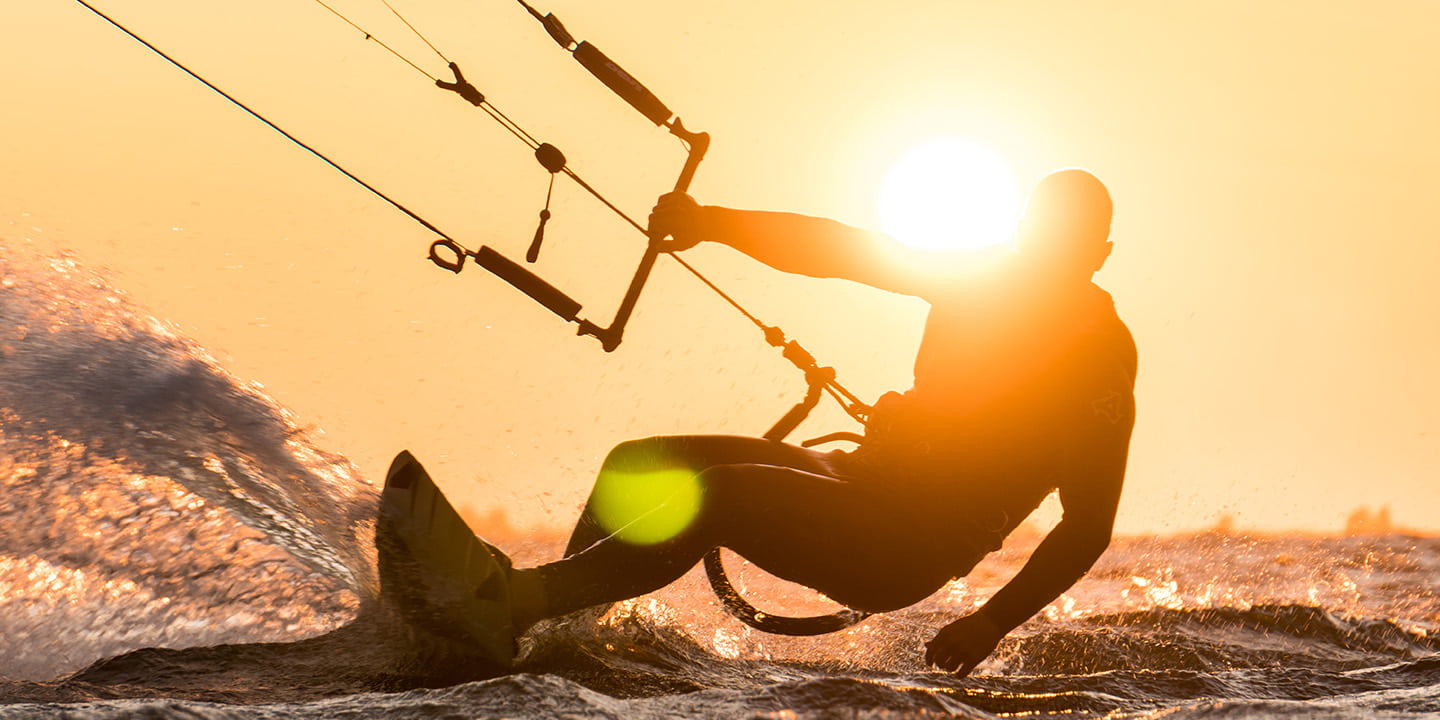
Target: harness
{"points": [[448, 253]]}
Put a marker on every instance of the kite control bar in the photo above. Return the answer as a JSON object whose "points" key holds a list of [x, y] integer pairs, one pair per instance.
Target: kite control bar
{"points": [[451, 255]]}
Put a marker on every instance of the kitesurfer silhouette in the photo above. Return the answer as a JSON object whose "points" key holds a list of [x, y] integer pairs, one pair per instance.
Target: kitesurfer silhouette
{"points": [[1023, 386]]}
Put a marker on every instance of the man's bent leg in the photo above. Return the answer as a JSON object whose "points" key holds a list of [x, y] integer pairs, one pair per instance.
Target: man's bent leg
{"points": [[811, 528], [656, 509]]}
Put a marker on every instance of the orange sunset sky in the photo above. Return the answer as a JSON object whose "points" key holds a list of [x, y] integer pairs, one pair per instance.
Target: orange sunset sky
{"points": [[1273, 167]]}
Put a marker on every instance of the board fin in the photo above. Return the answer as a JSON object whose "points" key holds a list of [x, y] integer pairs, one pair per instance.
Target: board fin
{"points": [[436, 572]]}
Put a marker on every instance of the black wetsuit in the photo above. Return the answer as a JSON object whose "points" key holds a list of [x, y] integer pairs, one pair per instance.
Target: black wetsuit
{"points": [[1017, 393]]}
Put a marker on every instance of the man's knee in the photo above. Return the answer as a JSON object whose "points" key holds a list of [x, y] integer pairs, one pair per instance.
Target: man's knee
{"points": [[644, 497]]}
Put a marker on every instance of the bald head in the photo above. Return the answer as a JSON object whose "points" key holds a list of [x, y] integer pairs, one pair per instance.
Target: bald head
{"points": [[1066, 227]]}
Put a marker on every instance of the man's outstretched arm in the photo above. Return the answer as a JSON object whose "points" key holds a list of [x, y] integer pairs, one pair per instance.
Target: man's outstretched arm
{"points": [[800, 244]]}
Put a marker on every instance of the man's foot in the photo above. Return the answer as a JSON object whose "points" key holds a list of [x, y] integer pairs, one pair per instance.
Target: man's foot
{"points": [[434, 569]]}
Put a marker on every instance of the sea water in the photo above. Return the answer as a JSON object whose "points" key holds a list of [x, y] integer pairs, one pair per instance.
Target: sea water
{"points": [[172, 544]]}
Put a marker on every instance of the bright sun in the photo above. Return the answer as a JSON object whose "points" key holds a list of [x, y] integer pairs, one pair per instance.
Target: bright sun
{"points": [[949, 193]]}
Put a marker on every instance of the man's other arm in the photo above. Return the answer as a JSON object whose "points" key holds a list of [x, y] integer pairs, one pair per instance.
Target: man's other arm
{"points": [[1066, 554]]}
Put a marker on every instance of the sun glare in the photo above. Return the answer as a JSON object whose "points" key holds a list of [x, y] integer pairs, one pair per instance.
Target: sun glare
{"points": [[949, 193]]}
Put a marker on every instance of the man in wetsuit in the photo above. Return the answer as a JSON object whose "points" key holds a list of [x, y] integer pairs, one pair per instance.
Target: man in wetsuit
{"points": [[1023, 386]]}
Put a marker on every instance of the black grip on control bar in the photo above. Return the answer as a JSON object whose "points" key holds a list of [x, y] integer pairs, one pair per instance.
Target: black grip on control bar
{"points": [[624, 84], [529, 283]]}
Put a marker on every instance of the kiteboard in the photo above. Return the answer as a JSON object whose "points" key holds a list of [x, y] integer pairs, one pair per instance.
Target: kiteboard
{"points": [[436, 573]]}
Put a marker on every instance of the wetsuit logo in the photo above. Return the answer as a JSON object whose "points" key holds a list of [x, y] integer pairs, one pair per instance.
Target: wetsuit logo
{"points": [[1111, 407]]}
